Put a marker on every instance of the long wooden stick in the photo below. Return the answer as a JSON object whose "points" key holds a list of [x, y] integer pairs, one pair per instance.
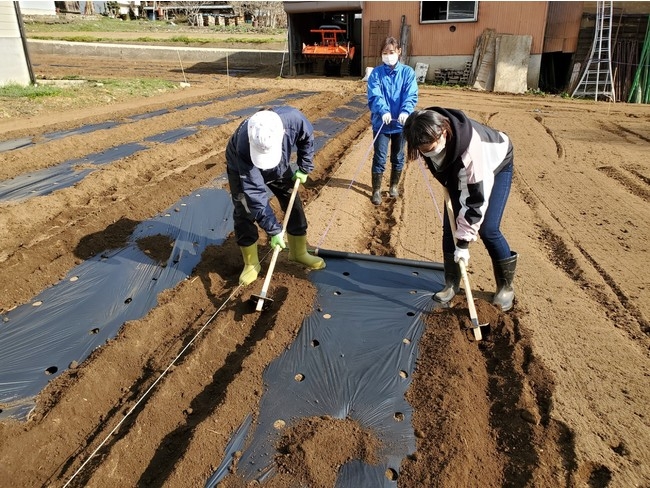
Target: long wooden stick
{"points": [[476, 327], [276, 251]]}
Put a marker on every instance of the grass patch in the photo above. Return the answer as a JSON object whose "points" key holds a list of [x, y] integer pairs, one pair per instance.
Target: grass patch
{"points": [[139, 86], [118, 88], [187, 40], [250, 40], [30, 92], [101, 23], [69, 38], [20, 101], [157, 40], [97, 24]]}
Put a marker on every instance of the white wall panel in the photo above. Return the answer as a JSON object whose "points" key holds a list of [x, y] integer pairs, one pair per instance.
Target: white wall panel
{"points": [[14, 67]]}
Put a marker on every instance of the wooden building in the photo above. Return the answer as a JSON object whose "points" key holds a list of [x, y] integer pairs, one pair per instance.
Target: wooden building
{"points": [[445, 38], [449, 36], [442, 35]]}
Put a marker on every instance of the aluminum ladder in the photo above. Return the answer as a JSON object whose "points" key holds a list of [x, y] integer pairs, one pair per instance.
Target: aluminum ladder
{"points": [[596, 78]]}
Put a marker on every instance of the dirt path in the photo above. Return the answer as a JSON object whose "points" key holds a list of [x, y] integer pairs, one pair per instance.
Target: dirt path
{"points": [[557, 395]]}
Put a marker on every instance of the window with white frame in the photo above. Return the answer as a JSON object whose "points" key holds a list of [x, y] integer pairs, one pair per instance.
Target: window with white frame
{"points": [[431, 12]]}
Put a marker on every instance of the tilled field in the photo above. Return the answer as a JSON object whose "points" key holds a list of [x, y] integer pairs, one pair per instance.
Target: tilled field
{"points": [[556, 394]]}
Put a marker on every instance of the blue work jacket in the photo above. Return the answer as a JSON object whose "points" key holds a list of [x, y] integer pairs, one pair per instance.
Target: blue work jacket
{"points": [[393, 90], [298, 133]]}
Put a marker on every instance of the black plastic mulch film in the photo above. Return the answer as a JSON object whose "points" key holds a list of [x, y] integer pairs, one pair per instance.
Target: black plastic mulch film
{"points": [[65, 323], [353, 357]]}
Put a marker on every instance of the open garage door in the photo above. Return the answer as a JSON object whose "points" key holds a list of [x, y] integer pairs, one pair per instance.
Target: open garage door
{"points": [[324, 38]]}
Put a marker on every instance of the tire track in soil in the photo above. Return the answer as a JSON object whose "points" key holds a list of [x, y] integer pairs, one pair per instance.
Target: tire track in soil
{"points": [[622, 313], [559, 149], [635, 170], [628, 183], [622, 132]]}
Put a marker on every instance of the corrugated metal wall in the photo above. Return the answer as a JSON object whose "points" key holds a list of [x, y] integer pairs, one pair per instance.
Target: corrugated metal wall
{"points": [[518, 18], [563, 27]]}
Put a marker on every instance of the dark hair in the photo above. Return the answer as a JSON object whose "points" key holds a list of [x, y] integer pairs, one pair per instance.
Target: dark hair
{"points": [[424, 127], [389, 41]]}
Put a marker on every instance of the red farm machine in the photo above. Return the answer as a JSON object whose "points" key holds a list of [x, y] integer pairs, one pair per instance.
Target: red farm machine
{"points": [[333, 49]]}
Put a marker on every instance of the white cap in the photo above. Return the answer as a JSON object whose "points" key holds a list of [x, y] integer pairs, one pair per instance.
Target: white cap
{"points": [[265, 135]]}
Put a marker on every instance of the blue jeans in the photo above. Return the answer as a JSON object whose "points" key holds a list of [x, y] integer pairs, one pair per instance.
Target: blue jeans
{"points": [[381, 151], [490, 232]]}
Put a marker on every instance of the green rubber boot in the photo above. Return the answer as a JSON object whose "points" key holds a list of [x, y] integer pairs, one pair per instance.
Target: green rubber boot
{"points": [[298, 253], [251, 264]]}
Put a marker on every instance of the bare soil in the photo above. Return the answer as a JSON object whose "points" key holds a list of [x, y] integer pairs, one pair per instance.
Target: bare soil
{"points": [[555, 395]]}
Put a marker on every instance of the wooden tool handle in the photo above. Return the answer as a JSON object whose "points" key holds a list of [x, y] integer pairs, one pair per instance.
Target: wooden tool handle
{"points": [[276, 251], [294, 192], [463, 273], [468, 291], [267, 279]]}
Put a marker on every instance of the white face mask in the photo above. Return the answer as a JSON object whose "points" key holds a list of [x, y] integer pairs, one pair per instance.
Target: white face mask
{"points": [[442, 143], [390, 59]]}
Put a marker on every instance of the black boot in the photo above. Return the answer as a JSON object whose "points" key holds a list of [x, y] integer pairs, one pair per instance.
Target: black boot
{"points": [[504, 274], [394, 181], [376, 188], [452, 280]]}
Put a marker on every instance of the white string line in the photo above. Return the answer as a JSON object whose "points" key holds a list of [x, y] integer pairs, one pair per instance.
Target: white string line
{"points": [[151, 387], [322, 238]]}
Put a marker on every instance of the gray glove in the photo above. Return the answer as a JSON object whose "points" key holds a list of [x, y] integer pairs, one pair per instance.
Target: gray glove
{"points": [[386, 118]]}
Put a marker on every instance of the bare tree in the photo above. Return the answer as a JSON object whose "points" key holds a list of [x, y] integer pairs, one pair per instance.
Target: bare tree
{"points": [[89, 8], [192, 10], [266, 13]]}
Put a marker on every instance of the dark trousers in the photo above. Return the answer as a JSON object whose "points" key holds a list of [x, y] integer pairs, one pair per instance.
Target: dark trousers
{"points": [[381, 151], [246, 231], [490, 232]]}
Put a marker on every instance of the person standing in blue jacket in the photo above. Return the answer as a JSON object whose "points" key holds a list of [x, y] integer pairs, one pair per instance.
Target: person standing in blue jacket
{"points": [[257, 160], [392, 96]]}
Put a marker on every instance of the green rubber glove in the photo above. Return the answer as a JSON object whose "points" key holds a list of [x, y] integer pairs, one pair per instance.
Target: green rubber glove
{"points": [[278, 240], [299, 175]]}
